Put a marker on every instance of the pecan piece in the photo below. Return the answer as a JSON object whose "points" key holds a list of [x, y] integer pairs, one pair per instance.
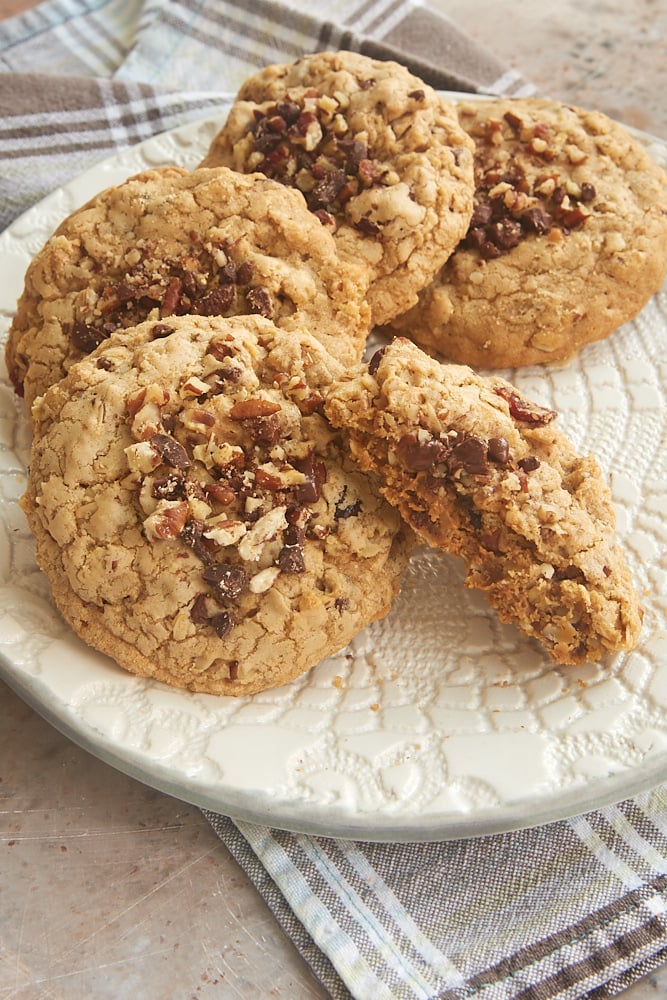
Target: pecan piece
{"points": [[168, 521], [172, 296], [248, 409], [171, 452]]}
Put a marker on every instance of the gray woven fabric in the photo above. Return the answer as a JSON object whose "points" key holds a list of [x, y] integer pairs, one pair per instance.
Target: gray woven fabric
{"points": [[573, 909]]}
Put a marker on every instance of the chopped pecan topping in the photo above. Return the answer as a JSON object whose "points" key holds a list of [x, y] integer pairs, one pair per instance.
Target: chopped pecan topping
{"points": [[167, 521], [204, 280], [305, 142], [247, 409], [508, 206], [171, 452]]}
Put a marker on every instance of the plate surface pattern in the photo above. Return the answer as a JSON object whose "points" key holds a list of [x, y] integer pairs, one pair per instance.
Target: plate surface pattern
{"points": [[438, 721]]}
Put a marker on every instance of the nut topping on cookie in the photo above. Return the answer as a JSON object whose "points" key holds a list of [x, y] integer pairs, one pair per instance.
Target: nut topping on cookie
{"points": [[377, 155], [305, 141], [250, 544], [171, 242], [567, 240], [482, 473]]}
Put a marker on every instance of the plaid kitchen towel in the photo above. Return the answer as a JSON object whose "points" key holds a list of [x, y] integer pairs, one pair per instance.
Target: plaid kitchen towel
{"points": [[572, 909]]}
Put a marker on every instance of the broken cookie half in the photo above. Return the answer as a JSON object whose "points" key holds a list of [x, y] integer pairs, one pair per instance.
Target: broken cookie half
{"points": [[478, 470]]}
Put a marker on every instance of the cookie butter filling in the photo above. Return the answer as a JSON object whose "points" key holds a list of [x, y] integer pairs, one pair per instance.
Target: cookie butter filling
{"points": [[512, 202], [235, 477], [305, 141], [209, 280]]}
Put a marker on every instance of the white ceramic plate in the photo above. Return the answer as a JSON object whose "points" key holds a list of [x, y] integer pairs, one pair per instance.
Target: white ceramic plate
{"points": [[437, 722]]}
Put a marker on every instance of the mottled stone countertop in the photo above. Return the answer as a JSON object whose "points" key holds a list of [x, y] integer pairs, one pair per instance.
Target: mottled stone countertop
{"points": [[109, 888]]}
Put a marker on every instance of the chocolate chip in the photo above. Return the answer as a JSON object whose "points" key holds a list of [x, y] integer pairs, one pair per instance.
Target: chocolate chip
{"points": [[343, 510], [367, 226], [498, 450], [537, 220], [172, 487], [289, 110], [259, 301], [374, 363], [244, 273], [315, 472], [198, 611], [228, 580], [326, 190], [223, 624], [470, 455], [216, 302], [569, 573], [291, 559], [529, 464], [419, 455], [86, 337], [160, 330], [506, 233]]}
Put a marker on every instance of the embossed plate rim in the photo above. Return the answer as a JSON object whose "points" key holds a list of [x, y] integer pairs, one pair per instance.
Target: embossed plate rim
{"points": [[255, 805]]}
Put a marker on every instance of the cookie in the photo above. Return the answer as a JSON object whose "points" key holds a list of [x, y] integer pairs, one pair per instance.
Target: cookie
{"points": [[169, 241], [568, 238], [483, 473], [197, 517], [378, 156]]}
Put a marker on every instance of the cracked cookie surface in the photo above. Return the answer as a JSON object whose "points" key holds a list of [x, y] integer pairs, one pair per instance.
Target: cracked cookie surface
{"points": [[568, 238], [482, 472], [169, 241], [198, 518], [378, 156]]}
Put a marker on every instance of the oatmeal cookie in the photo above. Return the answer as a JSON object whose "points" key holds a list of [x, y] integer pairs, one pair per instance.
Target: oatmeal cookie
{"points": [[169, 242], [483, 473], [568, 238], [198, 518], [378, 156]]}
